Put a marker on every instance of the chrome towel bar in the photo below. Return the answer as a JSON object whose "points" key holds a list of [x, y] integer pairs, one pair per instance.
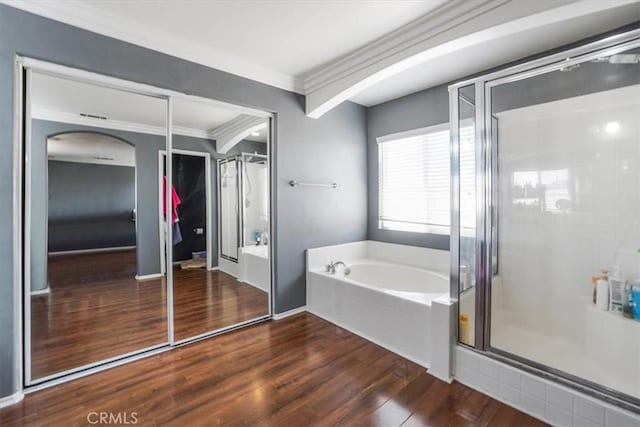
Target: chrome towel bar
{"points": [[312, 184]]}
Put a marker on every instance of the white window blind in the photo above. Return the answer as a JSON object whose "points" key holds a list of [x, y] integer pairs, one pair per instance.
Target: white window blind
{"points": [[415, 178]]}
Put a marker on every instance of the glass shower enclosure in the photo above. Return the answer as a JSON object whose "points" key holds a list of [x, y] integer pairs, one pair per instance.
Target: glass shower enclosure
{"points": [[546, 216]]}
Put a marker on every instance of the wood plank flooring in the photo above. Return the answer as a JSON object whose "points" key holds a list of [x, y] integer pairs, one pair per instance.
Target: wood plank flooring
{"points": [[295, 372], [205, 301], [97, 310]]}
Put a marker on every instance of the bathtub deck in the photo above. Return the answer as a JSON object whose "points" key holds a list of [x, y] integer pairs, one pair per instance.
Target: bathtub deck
{"points": [[297, 371]]}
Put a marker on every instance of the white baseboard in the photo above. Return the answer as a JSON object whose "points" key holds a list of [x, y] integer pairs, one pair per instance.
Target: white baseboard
{"points": [[229, 267], [216, 268], [41, 291], [91, 251], [289, 313], [149, 276], [230, 273], [258, 287], [11, 400]]}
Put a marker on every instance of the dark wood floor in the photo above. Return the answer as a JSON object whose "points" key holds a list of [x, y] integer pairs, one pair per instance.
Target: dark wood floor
{"points": [[97, 310], [295, 372], [205, 301]]}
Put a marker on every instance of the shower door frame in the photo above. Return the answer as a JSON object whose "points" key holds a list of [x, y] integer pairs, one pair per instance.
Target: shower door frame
{"points": [[486, 205], [220, 162]]}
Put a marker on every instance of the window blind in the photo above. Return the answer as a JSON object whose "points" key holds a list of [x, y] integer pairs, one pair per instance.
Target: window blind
{"points": [[415, 178]]}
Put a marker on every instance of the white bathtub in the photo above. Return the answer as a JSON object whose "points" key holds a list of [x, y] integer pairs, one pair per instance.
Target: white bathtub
{"points": [[416, 284], [387, 296], [253, 266]]}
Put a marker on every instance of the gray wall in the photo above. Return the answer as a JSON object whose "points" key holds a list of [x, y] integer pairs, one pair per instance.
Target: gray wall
{"points": [[332, 148], [90, 206], [247, 146], [426, 108], [431, 107], [588, 78]]}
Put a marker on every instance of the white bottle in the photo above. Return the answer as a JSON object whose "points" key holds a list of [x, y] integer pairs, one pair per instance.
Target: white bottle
{"points": [[616, 289], [602, 294]]}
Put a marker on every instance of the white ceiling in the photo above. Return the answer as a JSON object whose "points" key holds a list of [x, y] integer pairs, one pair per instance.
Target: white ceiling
{"points": [[290, 37], [468, 61], [61, 99], [85, 147], [69, 96], [53, 94], [298, 44]]}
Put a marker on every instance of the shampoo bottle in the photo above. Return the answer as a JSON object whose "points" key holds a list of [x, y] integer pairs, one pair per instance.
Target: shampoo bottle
{"points": [[463, 329], [602, 294], [635, 301]]}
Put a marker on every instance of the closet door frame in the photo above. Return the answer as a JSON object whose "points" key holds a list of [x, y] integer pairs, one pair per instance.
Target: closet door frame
{"points": [[28, 68], [22, 232], [209, 198]]}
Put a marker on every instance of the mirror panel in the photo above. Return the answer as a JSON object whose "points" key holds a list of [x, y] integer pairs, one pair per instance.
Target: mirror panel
{"points": [[96, 290], [220, 227]]}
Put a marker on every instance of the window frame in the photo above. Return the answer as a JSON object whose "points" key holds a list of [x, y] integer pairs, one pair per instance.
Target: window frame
{"points": [[429, 229]]}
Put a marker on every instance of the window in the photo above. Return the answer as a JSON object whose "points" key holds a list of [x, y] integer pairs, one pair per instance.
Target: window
{"points": [[414, 179]]}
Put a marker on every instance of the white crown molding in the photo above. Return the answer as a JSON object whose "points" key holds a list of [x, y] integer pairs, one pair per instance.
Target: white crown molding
{"points": [[232, 132], [454, 26], [83, 15], [76, 119], [427, 26]]}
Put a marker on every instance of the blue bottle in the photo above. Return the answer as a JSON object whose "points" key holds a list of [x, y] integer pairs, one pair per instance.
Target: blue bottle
{"points": [[635, 301]]}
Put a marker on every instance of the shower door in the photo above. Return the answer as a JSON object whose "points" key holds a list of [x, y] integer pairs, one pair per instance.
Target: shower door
{"points": [[229, 223], [556, 205], [569, 204]]}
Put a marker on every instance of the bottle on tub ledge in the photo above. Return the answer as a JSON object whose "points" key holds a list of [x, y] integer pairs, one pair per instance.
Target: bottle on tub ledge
{"points": [[634, 300], [463, 329], [627, 305], [601, 290], [616, 290], [610, 290]]}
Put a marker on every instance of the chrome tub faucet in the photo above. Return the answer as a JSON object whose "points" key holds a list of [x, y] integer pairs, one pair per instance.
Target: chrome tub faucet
{"points": [[331, 267]]}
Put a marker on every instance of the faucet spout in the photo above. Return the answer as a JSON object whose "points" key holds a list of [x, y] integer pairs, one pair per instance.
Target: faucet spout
{"points": [[331, 267]]}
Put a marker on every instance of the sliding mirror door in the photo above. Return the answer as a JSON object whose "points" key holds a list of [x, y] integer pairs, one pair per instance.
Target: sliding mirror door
{"points": [[219, 177], [94, 289]]}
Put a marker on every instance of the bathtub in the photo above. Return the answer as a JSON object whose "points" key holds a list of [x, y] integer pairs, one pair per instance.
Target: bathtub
{"points": [[386, 297], [253, 266]]}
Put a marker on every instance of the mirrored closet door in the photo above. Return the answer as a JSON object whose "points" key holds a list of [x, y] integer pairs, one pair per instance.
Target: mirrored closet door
{"points": [[147, 219], [94, 289], [220, 217]]}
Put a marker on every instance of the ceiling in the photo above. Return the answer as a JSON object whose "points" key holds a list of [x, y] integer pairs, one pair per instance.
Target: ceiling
{"points": [[466, 62], [351, 49], [290, 37], [60, 99], [87, 147]]}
